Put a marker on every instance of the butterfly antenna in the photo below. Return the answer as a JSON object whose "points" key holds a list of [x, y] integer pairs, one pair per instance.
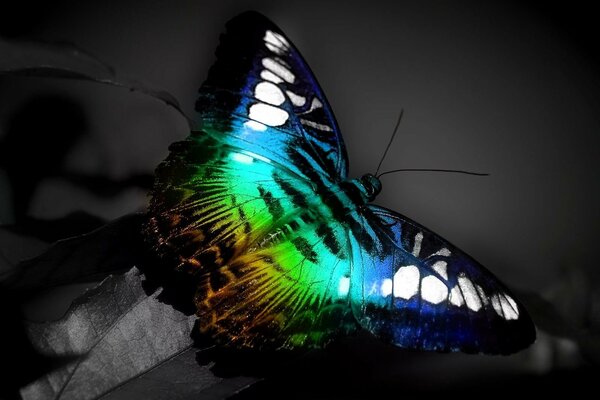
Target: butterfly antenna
{"points": [[455, 171], [390, 142]]}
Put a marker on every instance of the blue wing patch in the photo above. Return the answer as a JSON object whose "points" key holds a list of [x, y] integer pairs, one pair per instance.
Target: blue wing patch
{"points": [[418, 291]]}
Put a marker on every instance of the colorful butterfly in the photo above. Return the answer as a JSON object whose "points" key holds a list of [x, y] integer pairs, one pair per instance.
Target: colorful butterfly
{"points": [[288, 252]]}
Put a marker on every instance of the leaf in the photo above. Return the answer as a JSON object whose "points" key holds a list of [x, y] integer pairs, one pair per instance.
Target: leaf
{"points": [[52, 230], [113, 248], [110, 335], [131, 333], [63, 60], [15, 247], [180, 378], [120, 343]]}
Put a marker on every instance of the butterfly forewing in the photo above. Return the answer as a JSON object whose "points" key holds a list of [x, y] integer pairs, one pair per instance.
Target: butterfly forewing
{"points": [[421, 292], [263, 96], [212, 201]]}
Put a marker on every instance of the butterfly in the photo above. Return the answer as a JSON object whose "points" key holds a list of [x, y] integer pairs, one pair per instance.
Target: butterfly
{"points": [[287, 251]]}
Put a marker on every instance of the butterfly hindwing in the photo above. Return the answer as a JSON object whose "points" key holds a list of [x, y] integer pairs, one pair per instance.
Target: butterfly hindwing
{"points": [[289, 291], [421, 292]]}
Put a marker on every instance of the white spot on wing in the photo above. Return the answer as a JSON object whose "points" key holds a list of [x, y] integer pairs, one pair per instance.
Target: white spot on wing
{"points": [[512, 302], [441, 268], [509, 307], [442, 252], [469, 293], [406, 282], [482, 295], [278, 69], [315, 125], [456, 297], [386, 287], [316, 103], [296, 100], [417, 246], [343, 286], [257, 126], [267, 114], [269, 76], [433, 290], [269, 93], [243, 158], [496, 304], [275, 49], [373, 289], [256, 156], [275, 39]]}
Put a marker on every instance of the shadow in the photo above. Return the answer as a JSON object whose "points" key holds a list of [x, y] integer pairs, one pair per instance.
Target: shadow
{"points": [[23, 363], [17, 21], [231, 362], [177, 289], [347, 368], [38, 138]]}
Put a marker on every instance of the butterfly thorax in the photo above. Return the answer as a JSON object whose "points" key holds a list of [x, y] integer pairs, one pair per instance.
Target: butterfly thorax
{"points": [[363, 189]]}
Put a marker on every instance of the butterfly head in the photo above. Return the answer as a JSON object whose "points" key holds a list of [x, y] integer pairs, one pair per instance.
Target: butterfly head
{"points": [[369, 186]]}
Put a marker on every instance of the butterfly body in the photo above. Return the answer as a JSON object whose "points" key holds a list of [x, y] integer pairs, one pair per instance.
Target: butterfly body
{"points": [[287, 250]]}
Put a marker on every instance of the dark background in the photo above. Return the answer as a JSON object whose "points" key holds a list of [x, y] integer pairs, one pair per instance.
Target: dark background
{"points": [[508, 88]]}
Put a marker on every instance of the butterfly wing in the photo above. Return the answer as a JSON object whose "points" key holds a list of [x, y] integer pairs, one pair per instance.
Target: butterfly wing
{"points": [[262, 94], [291, 291], [239, 206], [420, 292]]}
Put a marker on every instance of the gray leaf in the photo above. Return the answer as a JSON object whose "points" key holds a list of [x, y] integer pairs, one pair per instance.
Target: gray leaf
{"points": [[63, 60], [109, 249], [14, 248], [110, 335], [180, 378]]}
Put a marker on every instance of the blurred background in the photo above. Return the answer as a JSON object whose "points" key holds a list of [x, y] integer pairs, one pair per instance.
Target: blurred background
{"points": [[510, 88]]}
